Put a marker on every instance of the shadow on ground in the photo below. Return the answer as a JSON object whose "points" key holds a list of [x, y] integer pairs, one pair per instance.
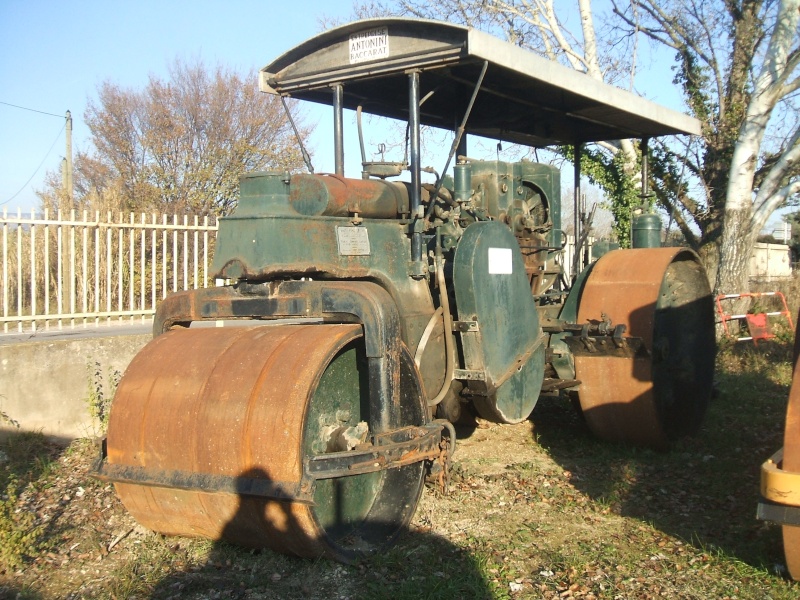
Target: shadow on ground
{"points": [[705, 489], [420, 565], [10, 592]]}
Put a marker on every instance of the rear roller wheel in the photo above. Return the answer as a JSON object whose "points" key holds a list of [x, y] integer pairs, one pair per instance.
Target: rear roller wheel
{"points": [[662, 296], [223, 423]]}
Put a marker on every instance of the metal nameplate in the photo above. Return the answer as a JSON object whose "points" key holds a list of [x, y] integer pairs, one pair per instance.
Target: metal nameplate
{"points": [[352, 241], [369, 45]]}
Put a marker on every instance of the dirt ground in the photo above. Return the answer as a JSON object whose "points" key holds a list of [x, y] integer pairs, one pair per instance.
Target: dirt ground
{"points": [[535, 510]]}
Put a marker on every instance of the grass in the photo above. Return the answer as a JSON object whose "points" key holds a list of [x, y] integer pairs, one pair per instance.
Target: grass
{"points": [[27, 460], [535, 511], [704, 491]]}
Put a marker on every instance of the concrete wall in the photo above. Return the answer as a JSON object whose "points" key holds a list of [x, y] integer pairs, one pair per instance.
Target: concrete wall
{"points": [[44, 384]]}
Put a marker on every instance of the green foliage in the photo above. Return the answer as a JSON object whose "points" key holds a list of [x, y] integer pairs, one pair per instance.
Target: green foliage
{"points": [[671, 173], [693, 79], [21, 537], [608, 172], [100, 393]]}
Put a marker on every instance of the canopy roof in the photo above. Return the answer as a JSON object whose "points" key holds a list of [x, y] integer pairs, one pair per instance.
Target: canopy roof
{"points": [[524, 98]]}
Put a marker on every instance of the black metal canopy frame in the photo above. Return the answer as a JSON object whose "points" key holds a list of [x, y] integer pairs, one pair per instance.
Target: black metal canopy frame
{"points": [[524, 98], [385, 65]]}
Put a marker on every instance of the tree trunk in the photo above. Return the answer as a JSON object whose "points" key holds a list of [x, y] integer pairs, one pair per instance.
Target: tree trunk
{"points": [[734, 256], [709, 257]]}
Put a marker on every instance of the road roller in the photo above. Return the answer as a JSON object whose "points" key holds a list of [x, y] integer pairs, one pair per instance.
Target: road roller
{"points": [[362, 315], [780, 477]]}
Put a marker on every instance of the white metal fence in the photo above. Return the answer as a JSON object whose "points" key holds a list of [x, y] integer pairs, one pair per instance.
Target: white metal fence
{"points": [[79, 269]]}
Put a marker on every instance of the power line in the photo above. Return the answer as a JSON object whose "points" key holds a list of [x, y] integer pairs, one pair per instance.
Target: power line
{"points": [[40, 164], [41, 112]]}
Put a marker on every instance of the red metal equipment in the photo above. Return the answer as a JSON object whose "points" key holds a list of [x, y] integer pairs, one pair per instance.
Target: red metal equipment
{"points": [[758, 324]]}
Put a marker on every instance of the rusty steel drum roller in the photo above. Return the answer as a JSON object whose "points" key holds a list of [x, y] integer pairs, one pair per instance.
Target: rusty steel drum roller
{"points": [[780, 478], [215, 430], [791, 464], [787, 488], [661, 393]]}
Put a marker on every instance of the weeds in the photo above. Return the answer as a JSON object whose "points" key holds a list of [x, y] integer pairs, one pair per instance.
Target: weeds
{"points": [[144, 568], [20, 536], [100, 393], [5, 418], [26, 457]]}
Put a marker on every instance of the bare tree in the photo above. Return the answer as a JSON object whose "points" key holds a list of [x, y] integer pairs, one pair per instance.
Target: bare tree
{"points": [[738, 68], [180, 144], [602, 224]]}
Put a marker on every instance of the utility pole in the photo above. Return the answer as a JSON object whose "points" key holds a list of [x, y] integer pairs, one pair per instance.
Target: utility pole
{"points": [[68, 159]]}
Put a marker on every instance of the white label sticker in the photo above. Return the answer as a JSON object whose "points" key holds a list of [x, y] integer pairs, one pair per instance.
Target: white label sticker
{"points": [[352, 241], [500, 261], [369, 45]]}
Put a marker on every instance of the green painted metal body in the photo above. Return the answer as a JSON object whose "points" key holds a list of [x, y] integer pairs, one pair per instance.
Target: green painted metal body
{"points": [[520, 189], [646, 231], [601, 247], [331, 228], [267, 239], [562, 360], [340, 400], [506, 347]]}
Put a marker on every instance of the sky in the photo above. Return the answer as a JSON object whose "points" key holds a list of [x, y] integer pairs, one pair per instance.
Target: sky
{"points": [[54, 55]]}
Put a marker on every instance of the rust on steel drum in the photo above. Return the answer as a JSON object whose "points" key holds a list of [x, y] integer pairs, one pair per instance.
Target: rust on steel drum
{"points": [[662, 296], [248, 405], [791, 462]]}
